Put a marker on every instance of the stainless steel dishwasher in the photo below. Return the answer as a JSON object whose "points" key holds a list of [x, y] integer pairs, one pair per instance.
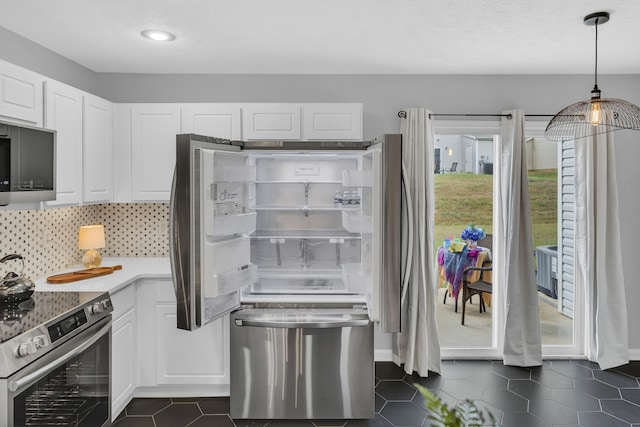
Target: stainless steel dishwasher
{"points": [[302, 363]]}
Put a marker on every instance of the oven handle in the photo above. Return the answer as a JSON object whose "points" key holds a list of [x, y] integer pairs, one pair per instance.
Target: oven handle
{"points": [[303, 325], [27, 379]]}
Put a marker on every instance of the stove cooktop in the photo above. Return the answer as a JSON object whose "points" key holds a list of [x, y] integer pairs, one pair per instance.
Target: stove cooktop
{"points": [[16, 319], [32, 327]]}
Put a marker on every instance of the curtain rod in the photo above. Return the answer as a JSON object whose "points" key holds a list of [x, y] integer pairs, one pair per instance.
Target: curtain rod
{"points": [[403, 114]]}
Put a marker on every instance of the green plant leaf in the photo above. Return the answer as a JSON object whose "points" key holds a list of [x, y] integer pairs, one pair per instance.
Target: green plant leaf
{"points": [[464, 414]]}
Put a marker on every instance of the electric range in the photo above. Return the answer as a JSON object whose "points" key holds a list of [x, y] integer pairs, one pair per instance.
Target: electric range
{"points": [[33, 327]]}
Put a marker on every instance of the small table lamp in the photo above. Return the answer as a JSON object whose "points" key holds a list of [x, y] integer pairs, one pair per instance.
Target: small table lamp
{"points": [[91, 237]]}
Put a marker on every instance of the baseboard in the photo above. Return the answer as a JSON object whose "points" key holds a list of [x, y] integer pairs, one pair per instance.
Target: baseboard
{"points": [[383, 355], [634, 354]]}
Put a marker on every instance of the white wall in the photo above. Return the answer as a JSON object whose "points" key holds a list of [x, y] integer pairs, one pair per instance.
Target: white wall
{"points": [[382, 96]]}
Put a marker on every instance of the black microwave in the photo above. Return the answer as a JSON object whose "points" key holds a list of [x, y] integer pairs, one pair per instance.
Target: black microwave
{"points": [[27, 164]]}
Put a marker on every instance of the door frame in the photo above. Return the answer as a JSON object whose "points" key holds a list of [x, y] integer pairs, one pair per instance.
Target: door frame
{"points": [[577, 350]]}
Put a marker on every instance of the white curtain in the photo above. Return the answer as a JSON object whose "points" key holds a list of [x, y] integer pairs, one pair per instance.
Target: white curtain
{"points": [[514, 249], [598, 251], [417, 347]]}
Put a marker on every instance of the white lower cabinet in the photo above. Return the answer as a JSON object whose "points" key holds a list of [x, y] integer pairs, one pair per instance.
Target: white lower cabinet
{"points": [[188, 357], [123, 361], [191, 357], [171, 361], [124, 353]]}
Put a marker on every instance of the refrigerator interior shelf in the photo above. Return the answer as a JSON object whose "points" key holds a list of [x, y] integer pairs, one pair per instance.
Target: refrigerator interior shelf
{"points": [[235, 173], [299, 182], [304, 234], [357, 178], [298, 273], [225, 225], [221, 284], [355, 280], [296, 208], [354, 222]]}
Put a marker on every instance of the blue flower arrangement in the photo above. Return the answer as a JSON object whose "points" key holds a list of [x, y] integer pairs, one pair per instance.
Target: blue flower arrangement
{"points": [[472, 233]]}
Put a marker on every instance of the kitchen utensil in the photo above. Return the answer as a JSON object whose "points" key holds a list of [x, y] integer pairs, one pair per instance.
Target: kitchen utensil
{"points": [[15, 287], [89, 273]]}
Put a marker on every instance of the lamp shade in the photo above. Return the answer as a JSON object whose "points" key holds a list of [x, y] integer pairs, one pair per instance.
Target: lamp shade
{"points": [[597, 115], [592, 117], [91, 237]]}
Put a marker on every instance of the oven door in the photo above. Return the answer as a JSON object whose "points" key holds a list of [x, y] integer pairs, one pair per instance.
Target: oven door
{"points": [[69, 386]]}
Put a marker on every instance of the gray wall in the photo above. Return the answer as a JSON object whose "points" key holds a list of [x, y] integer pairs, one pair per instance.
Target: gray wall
{"points": [[26, 54], [382, 96]]}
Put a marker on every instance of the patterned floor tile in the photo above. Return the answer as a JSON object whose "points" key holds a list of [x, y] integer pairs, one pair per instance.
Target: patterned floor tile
{"points": [[565, 393]]}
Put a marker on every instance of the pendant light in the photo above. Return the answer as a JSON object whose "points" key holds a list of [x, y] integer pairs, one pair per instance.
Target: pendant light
{"points": [[597, 115]]}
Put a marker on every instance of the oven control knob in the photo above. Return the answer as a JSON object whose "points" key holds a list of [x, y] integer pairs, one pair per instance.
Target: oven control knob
{"points": [[97, 308], [41, 341], [27, 348]]}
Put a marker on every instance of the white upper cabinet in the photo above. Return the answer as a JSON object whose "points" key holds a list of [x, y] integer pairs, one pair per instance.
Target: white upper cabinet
{"points": [[271, 121], [153, 150], [98, 149], [63, 113], [20, 94], [332, 121], [218, 120]]}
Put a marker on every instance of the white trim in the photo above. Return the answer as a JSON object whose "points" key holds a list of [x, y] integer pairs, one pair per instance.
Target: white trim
{"points": [[383, 355]]}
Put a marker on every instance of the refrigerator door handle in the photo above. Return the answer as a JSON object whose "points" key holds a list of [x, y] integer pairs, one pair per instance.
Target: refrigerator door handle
{"points": [[303, 325], [409, 243], [172, 238]]}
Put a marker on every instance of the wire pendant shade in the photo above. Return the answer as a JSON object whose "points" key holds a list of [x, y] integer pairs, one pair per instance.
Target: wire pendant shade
{"points": [[597, 115], [593, 117]]}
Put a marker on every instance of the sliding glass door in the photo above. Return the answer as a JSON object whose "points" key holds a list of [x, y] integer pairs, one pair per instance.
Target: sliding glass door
{"points": [[467, 197]]}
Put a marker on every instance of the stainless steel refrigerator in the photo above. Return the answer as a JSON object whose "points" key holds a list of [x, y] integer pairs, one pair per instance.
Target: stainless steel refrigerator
{"points": [[301, 242]]}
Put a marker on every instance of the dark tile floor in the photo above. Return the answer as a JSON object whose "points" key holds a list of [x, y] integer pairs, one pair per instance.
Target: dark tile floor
{"points": [[560, 393]]}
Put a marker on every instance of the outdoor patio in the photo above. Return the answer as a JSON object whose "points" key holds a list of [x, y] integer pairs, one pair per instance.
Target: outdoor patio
{"points": [[556, 328]]}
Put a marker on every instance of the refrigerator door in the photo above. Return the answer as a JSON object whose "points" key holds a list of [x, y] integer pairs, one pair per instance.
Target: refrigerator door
{"points": [[379, 220], [210, 220]]}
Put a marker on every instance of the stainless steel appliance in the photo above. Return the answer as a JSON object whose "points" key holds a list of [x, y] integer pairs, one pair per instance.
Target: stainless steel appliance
{"points": [[302, 241], [27, 164], [55, 350]]}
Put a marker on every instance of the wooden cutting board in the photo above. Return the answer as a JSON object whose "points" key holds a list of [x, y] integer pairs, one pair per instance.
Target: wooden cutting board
{"points": [[89, 273]]}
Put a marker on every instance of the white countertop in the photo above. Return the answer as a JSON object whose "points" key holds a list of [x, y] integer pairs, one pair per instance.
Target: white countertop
{"points": [[133, 268]]}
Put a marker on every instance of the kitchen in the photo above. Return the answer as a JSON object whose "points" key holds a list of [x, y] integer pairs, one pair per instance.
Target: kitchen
{"points": [[136, 217]]}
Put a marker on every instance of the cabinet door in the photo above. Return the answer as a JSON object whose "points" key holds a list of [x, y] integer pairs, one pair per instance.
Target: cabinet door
{"points": [[20, 94], [123, 361], [220, 121], [191, 357], [98, 149], [188, 357], [63, 113], [332, 121], [271, 121], [153, 150]]}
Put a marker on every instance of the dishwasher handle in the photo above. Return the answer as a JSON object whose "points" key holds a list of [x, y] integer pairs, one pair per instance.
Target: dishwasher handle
{"points": [[323, 324]]}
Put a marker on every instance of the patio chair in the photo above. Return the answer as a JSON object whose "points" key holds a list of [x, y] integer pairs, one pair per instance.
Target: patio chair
{"points": [[453, 168], [486, 242], [476, 285], [437, 168]]}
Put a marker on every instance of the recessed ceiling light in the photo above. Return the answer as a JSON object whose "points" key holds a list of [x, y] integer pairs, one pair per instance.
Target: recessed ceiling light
{"points": [[158, 35]]}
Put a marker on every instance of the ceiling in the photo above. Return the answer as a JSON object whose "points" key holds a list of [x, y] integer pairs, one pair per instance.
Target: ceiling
{"points": [[334, 36]]}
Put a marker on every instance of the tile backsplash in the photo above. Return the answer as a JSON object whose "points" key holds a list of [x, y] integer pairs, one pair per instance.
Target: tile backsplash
{"points": [[48, 239]]}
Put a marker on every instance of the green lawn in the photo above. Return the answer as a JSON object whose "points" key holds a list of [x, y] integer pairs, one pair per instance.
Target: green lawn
{"points": [[465, 198]]}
